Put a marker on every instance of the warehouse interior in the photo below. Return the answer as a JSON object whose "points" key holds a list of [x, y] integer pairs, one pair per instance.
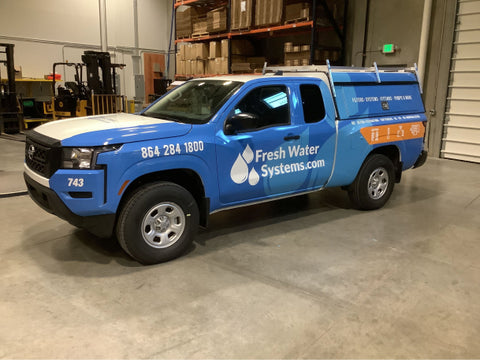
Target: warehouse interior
{"points": [[302, 277]]}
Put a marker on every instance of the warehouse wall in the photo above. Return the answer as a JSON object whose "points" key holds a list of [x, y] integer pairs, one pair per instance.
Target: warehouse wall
{"points": [[396, 22], [372, 23], [51, 31]]}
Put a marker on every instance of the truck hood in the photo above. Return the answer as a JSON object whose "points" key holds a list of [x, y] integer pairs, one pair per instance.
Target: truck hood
{"points": [[108, 129]]}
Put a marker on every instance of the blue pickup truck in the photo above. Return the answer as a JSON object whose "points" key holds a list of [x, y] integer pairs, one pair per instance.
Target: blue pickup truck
{"points": [[217, 143]]}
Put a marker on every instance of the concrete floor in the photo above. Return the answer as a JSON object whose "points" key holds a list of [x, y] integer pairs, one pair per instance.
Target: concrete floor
{"points": [[306, 277]]}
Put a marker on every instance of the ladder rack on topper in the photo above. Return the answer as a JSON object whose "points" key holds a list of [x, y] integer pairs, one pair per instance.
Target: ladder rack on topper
{"points": [[329, 70]]}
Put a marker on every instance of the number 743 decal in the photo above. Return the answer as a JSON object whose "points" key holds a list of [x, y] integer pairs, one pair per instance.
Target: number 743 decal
{"points": [[75, 182]]}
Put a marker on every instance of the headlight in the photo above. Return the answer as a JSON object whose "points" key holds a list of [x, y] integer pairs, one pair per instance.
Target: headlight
{"points": [[83, 158], [77, 158]]}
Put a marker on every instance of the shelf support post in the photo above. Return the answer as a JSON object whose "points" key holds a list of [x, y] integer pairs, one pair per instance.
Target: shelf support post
{"points": [[313, 41], [332, 21]]}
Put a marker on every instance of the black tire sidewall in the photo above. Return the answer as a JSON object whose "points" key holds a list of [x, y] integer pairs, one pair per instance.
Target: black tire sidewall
{"points": [[129, 230], [359, 189]]}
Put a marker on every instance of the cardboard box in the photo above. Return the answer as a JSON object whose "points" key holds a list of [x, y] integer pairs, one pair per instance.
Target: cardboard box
{"points": [[297, 58], [217, 20], [238, 59], [215, 49], [200, 51], [256, 62], [268, 12], [221, 65], [297, 11], [210, 70], [189, 51], [181, 66], [224, 51], [242, 47], [177, 63], [188, 67], [241, 14], [182, 51], [184, 19], [200, 25], [241, 67], [198, 67]]}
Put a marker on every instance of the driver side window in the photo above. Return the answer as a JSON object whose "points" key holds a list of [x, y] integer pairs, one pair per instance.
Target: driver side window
{"points": [[262, 107]]}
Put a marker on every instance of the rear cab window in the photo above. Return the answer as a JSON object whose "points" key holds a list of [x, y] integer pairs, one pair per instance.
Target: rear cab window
{"points": [[312, 103]]}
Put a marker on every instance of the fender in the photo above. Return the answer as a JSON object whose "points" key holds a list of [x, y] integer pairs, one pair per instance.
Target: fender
{"points": [[191, 162]]}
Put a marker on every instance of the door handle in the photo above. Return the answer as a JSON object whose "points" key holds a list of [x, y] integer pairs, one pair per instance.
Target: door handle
{"points": [[291, 137]]}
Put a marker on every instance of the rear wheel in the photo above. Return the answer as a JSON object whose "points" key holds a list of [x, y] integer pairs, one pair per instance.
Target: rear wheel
{"points": [[157, 223], [374, 183]]}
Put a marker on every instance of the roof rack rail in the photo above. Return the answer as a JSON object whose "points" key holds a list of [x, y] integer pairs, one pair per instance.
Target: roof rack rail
{"points": [[418, 78], [328, 67]]}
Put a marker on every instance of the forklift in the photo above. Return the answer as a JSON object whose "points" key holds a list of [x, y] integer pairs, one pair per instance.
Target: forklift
{"points": [[11, 115], [96, 95]]}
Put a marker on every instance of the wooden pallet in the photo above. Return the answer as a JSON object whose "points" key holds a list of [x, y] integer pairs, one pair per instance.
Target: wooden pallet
{"points": [[240, 30], [217, 32], [297, 20], [199, 34], [184, 37]]}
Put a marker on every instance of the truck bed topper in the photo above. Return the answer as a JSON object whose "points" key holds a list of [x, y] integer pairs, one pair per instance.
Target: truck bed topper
{"points": [[365, 92]]}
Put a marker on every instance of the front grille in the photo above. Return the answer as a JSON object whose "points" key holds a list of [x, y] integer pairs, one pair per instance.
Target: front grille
{"points": [[42, 159]]}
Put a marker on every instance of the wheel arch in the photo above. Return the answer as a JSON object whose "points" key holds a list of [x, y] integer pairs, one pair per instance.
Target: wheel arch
{"points": [[394, 154], [186, 178]]}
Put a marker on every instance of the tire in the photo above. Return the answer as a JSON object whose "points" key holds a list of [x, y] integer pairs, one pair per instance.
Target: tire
{"points": [[157, 223], [374, 183]]}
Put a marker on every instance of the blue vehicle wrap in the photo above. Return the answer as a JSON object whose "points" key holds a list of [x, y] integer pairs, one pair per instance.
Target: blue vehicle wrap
{"points": [[363, 113]]}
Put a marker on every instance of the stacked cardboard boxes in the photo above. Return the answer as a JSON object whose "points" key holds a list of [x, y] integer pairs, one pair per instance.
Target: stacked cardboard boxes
{"points": [[191, 59], [217, 20], [185, 18], [296, 55], [217, 58], [242, 50], [211, 58], [202, 58], [200, 25], [297, 11], [241, 14], [268, 12]]}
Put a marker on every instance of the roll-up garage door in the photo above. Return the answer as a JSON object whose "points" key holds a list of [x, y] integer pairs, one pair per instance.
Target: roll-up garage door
{"points": [[461, 135]]}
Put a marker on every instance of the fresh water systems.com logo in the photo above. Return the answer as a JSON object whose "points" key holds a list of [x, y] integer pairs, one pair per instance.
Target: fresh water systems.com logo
{"points": [[241, 172]]}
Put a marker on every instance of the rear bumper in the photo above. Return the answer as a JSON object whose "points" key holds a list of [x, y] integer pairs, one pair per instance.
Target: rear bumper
{"points": [[47, 199], [421, 159]]}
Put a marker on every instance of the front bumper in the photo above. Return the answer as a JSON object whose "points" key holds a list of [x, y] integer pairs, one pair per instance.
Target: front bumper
{"points": [[47, 199]]}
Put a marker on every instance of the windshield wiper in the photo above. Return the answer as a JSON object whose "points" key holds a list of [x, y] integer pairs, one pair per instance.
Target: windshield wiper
{"points": [[162, 116]]}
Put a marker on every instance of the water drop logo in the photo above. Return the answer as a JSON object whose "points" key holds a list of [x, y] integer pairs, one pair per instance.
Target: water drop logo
{"points": [[240, 171]]}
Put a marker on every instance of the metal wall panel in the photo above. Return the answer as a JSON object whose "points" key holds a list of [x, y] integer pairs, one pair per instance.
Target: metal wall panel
{"points": [[461, 133]]}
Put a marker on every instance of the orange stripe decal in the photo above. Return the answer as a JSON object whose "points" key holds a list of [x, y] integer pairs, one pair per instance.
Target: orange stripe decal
{"points": [[123, 187], [394, 132]]}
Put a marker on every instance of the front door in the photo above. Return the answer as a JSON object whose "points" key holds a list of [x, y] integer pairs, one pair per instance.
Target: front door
{"points": [[272, 156]]}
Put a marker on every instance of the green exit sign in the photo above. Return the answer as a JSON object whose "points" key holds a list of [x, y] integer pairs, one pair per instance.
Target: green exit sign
{"points": [[388, 49]]}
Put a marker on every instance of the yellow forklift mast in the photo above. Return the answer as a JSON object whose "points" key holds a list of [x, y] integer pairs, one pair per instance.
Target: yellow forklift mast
{"points": [[97, 95]]}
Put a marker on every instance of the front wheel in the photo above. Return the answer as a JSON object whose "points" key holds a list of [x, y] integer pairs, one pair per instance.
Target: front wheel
{"points": [[157, 223], [374, 183]]}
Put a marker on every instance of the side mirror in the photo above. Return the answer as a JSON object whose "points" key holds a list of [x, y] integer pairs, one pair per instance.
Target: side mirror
{"points": [[240, 122]]}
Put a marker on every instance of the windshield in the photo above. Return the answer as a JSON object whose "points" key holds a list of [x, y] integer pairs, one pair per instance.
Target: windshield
{"points": [[194, 102]]}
